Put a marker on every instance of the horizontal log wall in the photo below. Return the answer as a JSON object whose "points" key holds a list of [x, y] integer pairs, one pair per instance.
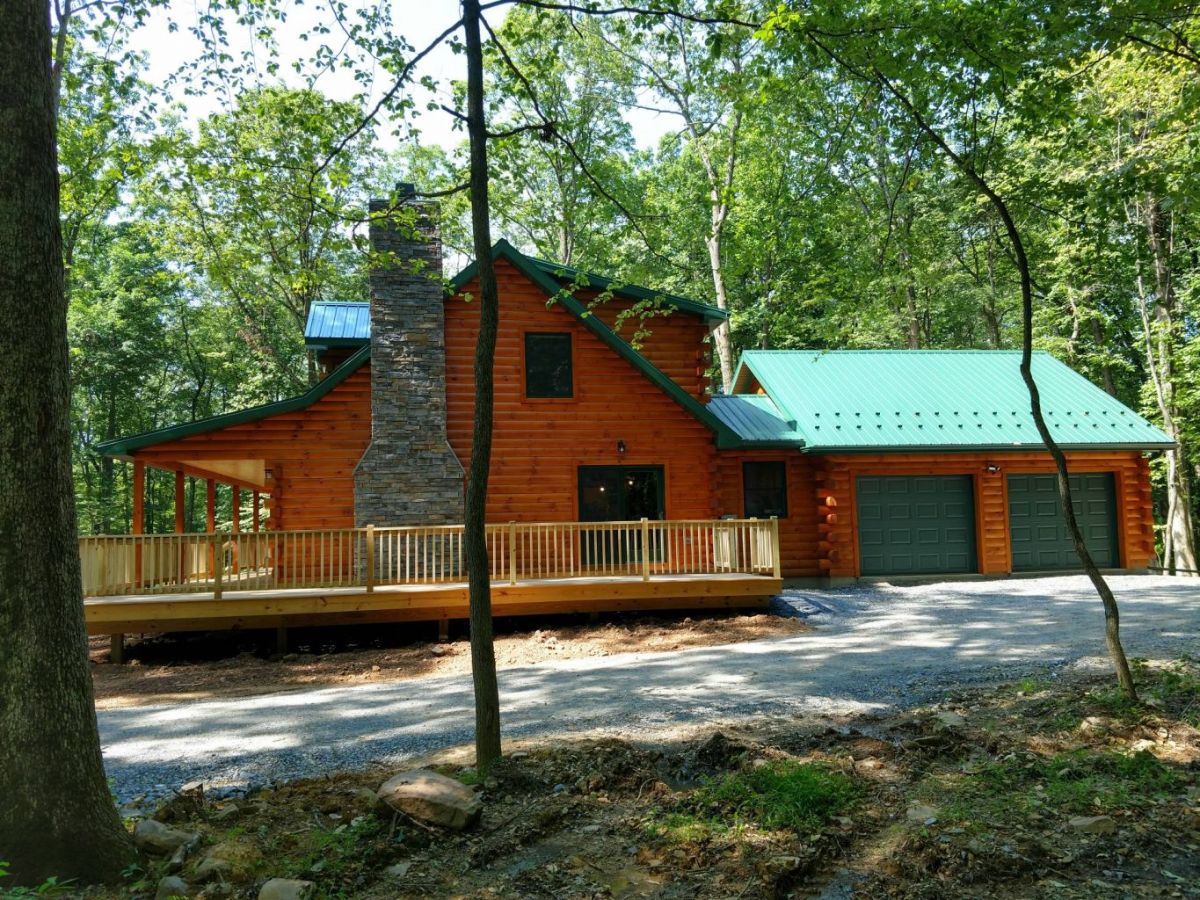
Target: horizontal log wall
{"points": [[800, 531], [835, 481], [312, 453], [539, 444]]}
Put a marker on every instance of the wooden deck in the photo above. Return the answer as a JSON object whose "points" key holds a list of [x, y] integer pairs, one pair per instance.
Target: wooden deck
{"points": [[285, 607]]}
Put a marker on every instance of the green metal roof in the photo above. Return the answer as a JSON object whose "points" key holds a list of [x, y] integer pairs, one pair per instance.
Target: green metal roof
{"points": [[757, 420], [125, 445], [937, 399], [338, 323]]}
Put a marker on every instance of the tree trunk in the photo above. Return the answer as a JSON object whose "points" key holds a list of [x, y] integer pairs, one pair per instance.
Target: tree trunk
{"points": [[1112, 618], [1159, 323], [57, 817], [721, 334], [483, 656]]}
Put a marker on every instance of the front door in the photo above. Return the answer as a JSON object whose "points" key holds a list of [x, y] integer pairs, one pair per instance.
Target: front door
{"points": [[618, 494]]}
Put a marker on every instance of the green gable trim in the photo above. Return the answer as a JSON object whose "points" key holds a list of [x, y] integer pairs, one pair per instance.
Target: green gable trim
{"points": [[629, 291], [726, 437], [941, 400], [125, 445]]}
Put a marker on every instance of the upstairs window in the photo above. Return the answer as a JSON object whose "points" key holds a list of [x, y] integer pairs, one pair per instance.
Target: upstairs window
{"points": [[548, 365], [764, 489]]}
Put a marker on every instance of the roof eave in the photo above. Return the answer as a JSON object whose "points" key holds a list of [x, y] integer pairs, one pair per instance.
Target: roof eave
{"points": [[1137, 447], [121, 448]]}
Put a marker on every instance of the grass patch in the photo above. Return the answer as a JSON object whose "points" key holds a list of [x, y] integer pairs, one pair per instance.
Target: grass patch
{"points": [[1076, 783], [778, 794]]}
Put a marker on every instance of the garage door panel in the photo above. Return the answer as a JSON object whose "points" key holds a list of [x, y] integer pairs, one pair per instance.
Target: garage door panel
{"points": [[925, 525], [1038, 528]]}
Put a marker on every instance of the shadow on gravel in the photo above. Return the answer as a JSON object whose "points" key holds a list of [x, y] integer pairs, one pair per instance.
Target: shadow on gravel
{"points": [[880, 647]]}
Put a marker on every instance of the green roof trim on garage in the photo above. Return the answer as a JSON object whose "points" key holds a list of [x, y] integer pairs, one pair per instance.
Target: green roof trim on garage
{"points": [[907, 400], [126, 445]]}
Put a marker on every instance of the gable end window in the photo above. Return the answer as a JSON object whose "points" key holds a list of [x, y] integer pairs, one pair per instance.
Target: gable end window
{"points": [[548, 365], [764, 489]]}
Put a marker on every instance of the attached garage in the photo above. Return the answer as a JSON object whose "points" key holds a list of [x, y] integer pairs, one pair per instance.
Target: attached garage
{"points": [[916, 525], [1040, 541]]}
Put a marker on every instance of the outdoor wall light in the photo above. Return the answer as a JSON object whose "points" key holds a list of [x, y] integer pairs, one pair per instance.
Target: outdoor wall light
{"points": [[621, 447], [992, 468]]}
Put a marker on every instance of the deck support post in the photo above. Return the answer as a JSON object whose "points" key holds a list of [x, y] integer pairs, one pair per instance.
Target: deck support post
{"points": [[116, 651], [370, 558], [281, 640], [645, 549], [443, 630], [777, 567]]}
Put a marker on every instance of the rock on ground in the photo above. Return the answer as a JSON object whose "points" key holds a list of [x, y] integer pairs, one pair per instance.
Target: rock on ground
{"points": [[155, 837], [287, 889], [172, 886], [432, 798]]}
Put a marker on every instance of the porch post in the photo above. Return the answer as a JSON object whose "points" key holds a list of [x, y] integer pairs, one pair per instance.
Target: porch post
{"points": [[236, 512], [180, 524], [210, 522], [180, 504], [139, 514]]}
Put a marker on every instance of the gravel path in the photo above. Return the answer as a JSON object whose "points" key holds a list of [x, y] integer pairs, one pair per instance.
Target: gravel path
{"points": [[874, 647]]}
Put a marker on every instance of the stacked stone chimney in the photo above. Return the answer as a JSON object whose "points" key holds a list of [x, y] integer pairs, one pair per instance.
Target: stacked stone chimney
{"points": [[408, 475]]}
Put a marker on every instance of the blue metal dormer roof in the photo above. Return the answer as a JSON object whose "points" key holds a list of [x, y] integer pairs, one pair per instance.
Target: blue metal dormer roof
{"points": [[338, 323]]}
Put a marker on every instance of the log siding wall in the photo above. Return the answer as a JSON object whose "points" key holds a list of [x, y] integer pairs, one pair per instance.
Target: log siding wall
{"points": [[539, 444]]}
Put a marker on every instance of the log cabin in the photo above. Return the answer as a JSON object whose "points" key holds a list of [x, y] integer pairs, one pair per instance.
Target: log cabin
{"points": [[867, 463]]}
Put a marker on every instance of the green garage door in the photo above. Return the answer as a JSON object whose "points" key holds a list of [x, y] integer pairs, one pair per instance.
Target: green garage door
{"points": [[1039, 530], [916, 525]]}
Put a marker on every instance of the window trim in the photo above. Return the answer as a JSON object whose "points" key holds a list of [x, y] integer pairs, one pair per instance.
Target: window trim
{"points": [[782, 463], [525, 396]]}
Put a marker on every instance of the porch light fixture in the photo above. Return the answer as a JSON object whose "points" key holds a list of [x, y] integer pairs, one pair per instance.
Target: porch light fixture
{"points": [[992, 468], [621, 447]]}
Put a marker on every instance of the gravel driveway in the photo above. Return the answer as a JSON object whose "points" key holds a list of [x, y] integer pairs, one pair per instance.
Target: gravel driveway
{"points": [[873, 647]]}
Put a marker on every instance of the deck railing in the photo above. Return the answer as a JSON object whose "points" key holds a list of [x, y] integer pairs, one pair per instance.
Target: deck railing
{"points": [[370, 557]]}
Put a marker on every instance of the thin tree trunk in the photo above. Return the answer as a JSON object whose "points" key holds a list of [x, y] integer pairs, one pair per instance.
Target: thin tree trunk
{"points": [[1112, 618], [57, 817], [483, 656]]}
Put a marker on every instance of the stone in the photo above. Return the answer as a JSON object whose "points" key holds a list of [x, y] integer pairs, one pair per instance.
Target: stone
{"points": [[155, 837], [178, 858], [172, 886], [287, 889], [921, 814], [409, 475], [1093, 824], [949, 719], [399, 870], [432, 798], [213, 868]]}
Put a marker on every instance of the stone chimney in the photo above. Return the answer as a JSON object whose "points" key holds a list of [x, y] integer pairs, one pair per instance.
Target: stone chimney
{"points": [[408, 475]]}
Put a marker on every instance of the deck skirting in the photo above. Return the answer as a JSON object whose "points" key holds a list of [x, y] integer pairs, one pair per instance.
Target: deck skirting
{"points": [[300, 607]]}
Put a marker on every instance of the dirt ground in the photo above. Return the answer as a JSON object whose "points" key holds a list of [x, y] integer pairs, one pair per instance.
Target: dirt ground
{"points": [[1049, 788], [202, 666]]}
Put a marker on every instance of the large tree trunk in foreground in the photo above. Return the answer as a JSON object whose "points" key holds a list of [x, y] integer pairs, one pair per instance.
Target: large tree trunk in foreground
{"points": [[483, 656], [56, 815]]}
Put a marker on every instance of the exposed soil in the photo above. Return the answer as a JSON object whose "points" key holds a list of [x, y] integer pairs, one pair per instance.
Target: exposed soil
{"points": [[1058, 788], [172, 668]]}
